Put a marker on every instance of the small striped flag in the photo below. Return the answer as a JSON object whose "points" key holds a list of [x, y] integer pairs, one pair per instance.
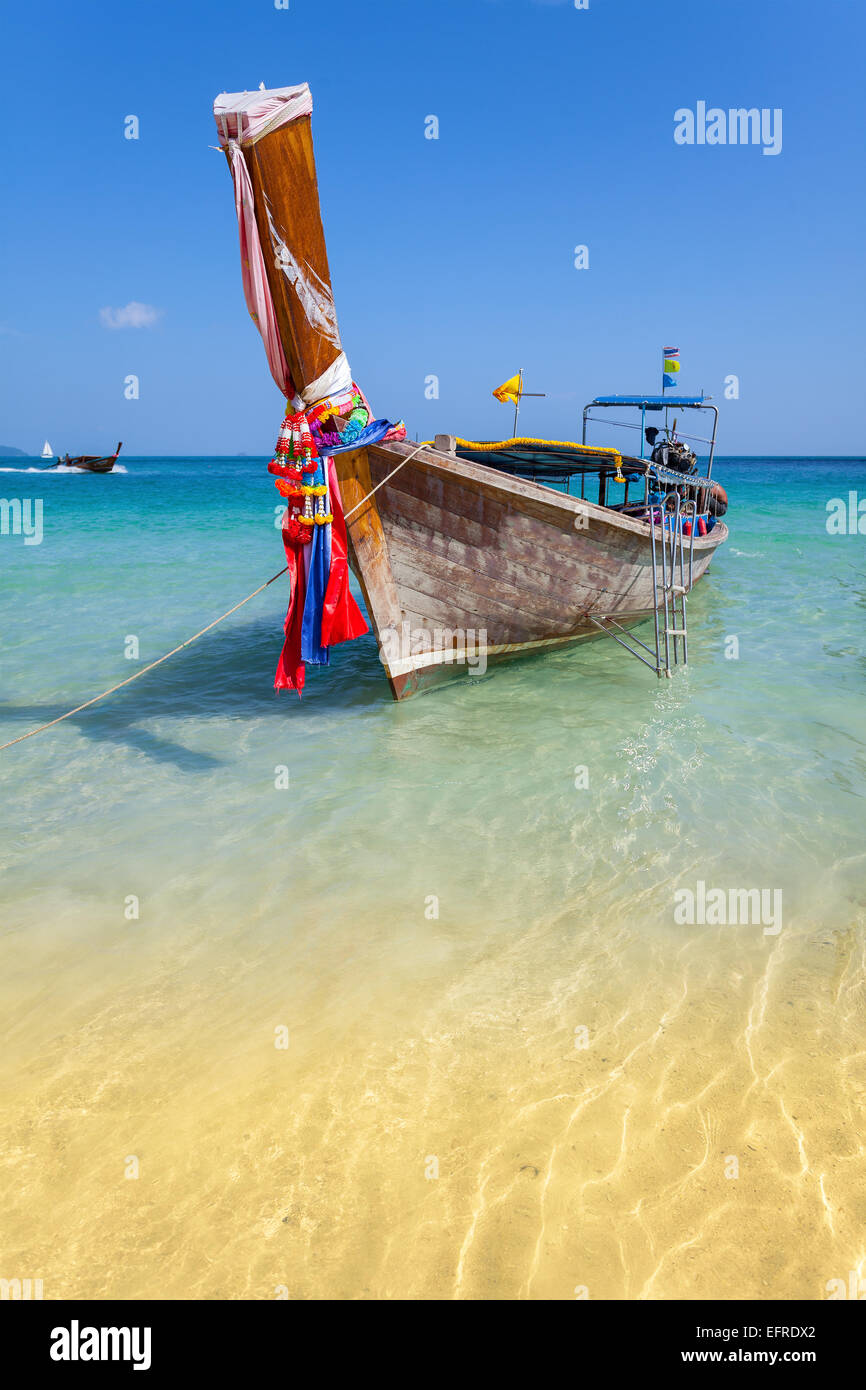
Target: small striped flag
{"points": [[671, 365]]}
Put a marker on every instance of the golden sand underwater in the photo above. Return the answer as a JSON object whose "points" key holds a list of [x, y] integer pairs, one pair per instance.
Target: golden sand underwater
{"points": [[544, 1092], [509, 1071]]}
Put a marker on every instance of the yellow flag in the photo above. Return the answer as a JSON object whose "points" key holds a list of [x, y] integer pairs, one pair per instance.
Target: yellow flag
{"points": [[509, 391]]}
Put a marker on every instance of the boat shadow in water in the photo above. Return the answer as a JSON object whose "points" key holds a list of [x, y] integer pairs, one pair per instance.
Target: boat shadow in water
{"points": [[227, 674]]}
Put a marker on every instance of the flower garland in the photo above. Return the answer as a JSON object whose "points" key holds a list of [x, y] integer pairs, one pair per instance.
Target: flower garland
{"points": [[322, 611], [294, 456]]}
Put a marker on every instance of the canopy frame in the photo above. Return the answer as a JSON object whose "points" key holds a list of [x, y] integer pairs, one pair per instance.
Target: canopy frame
{"points": [[656, 403]]}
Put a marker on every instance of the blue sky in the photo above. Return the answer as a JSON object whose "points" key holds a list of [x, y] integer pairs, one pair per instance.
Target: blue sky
{"points": [[451, 257]]}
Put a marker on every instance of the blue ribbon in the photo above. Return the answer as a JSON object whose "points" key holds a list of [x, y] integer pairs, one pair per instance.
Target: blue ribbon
{"points": [[370, 434], [317, 583], [320, 555]]}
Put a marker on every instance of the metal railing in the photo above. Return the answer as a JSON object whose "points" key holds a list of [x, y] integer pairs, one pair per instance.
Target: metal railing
{"points": [[673, 553]]}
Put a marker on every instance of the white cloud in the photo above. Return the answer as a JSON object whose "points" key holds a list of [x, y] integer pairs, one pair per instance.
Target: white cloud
{"points": [[133, 315]]}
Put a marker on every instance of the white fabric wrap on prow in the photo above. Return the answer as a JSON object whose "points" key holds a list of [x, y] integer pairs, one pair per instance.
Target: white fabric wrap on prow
{"points": [[337, 378], [247, 116], [242, 118]]}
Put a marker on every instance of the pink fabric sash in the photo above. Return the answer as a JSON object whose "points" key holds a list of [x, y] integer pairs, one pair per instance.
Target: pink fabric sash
{"points": [[256, 289]]}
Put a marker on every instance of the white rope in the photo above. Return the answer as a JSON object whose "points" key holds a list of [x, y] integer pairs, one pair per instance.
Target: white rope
{"points": [[144, 670], [387, 478]]}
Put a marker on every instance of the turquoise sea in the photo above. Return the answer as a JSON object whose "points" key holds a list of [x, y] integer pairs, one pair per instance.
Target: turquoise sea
{"points": [[423, 1024]]}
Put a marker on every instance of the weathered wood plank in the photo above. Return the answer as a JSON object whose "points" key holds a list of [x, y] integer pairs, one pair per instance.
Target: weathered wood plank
{"points": [[453, 545], [525, 561], [368, 545], [495, 593], [426, 612]]}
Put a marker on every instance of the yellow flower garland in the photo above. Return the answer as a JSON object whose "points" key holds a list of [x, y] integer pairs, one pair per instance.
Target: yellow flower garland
{"points": [[288, 488]]}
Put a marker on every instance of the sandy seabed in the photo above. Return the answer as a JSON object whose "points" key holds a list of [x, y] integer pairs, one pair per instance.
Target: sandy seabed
{"points": [[575, 1111]]}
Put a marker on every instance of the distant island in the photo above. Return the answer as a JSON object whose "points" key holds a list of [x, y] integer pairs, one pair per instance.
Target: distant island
{"points": [[7, 452]]}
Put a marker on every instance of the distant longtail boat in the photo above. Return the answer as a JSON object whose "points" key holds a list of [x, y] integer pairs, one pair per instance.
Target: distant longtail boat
{"points": [[91, 463]]}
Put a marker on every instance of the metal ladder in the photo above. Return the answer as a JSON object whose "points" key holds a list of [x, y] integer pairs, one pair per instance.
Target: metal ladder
{"points": [[673, 575]]}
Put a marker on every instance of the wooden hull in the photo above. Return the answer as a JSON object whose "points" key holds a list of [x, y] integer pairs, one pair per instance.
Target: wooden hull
{"points": [[451, 546], [96, 465], [91, 463]]}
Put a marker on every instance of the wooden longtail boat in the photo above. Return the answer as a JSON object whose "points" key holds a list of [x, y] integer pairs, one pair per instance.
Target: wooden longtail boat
{"points": [[91, 463], [466, 553], [451, 546]]}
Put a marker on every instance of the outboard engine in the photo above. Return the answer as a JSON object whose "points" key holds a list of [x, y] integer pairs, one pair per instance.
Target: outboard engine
{"points": [[673, 454]]}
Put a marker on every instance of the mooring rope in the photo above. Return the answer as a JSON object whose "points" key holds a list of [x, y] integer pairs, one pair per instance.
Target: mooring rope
{"points": [[387, 478], [188, 643], [144, 670]]}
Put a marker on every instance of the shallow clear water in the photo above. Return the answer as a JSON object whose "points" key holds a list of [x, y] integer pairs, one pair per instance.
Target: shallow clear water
{"points": [[423, 1044]]}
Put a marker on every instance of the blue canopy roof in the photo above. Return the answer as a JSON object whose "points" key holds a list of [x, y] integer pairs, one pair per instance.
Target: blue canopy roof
{"points": [[651, 402]]}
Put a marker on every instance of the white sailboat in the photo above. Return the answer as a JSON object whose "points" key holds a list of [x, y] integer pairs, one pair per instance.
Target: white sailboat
{"points": [[47, 451]]}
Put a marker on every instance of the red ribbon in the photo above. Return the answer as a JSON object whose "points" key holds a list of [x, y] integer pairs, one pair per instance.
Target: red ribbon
{"points": [[291, 671], [342, 619]]}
